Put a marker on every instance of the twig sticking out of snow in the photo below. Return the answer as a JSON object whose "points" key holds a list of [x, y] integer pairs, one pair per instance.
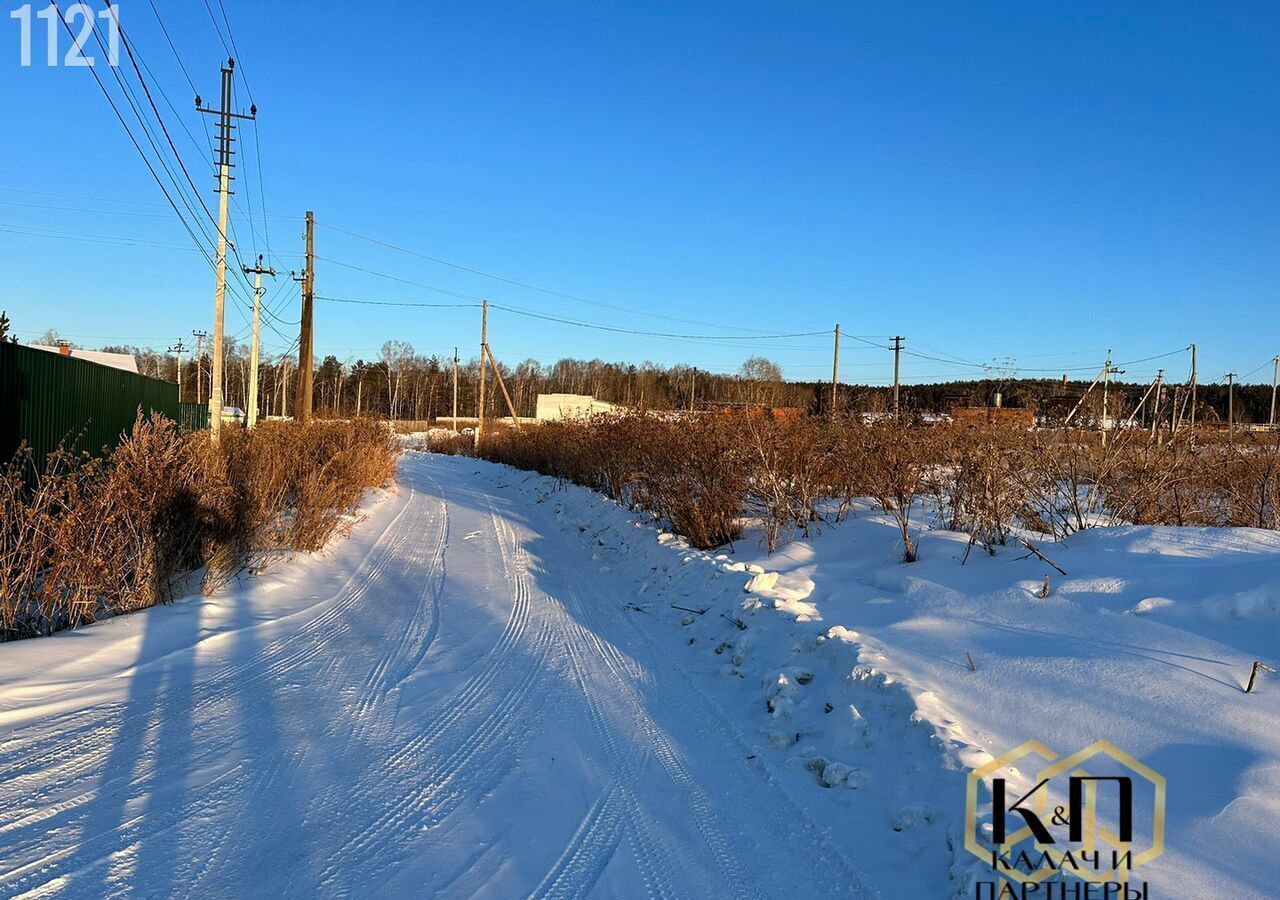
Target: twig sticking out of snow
{"points": [[1253, 675], [738, 623], [698, 612], [1044, 591], [969, 656], [1036, 553]]}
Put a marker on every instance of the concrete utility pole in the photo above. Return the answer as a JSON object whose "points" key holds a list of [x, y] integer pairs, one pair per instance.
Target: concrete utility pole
{"points": [[1107, 371], [226, 124], [1275, 377], [257, 271], [199, 336], [455, 390], [484, 346], [897, 369], [835, 370], [302, 402], [178, 349], [1231, 405], [1155, 409]]}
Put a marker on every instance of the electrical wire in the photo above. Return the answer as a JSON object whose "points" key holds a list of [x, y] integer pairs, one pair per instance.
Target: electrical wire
{"points": [[398, 303], [615, 329], [35, 231], [532, 287], [132, 138]]}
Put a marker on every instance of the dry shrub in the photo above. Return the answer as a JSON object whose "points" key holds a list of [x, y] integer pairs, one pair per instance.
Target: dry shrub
{"points": [[791, 464], [898, 464], [27, 534], [702, 473], [695, 478], [129, 528], [89, 538], [689, 472], [440, 441], [1247, 478], [979, 482]]}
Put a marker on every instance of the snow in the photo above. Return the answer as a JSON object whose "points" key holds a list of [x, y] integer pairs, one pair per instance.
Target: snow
{"points": [[485, 691]]}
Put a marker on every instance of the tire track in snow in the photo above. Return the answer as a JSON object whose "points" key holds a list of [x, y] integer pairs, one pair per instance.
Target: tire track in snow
{"points": [[588, 852], [446, 773], [416, 639], [82, 757], [842, 876], [391, 668], [75, 745], [580, 625], [592, 846]]}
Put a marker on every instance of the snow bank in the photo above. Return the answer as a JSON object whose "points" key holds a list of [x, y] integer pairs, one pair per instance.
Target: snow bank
{"points": [[873, 686]]}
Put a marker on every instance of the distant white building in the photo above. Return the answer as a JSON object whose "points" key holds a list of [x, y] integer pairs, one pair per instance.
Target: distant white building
{"points": [[125, 362], [232, 415], [570, 406]]}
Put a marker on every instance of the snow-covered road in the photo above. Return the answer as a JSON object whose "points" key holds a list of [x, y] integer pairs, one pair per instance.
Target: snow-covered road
{"points": [[452, 702]]}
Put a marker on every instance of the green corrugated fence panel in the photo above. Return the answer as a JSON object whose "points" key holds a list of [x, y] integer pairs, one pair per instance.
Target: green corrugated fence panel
{"points": [[194, 416], [47, 399]]}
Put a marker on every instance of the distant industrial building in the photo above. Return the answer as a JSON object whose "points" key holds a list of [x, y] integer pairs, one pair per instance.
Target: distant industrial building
{"points": [[552, 407], [125, 362]]}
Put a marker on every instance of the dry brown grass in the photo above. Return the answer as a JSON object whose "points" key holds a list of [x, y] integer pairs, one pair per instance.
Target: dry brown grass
{"points": [[702, 474], [92, 538]]}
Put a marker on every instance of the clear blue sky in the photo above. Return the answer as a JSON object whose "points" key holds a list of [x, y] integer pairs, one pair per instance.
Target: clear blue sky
{"points": [[1029, 180]]}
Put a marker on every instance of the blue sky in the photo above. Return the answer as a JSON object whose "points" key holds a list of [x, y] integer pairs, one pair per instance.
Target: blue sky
{"points": [[1035, 181]]}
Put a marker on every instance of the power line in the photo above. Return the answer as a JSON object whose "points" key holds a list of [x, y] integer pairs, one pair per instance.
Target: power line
{"points": [[128, 47], [235, 51], [399, 303], [176, 54], [74, 209], [218, 29], [532, 287], [13, 190], [664, 334], [35, 231], [429, 287], [132, 139]]}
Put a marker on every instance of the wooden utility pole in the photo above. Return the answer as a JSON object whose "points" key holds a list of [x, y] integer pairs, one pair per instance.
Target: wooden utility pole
{"points": [[897, 368], [835, 369], [693, 387], [1275, 377], [455, 390], [257, 271], [302, 401], [1231, 405], [199, 336], [497, 374], [226, 125], [178, 349], [1193, 391], [484, 345]]}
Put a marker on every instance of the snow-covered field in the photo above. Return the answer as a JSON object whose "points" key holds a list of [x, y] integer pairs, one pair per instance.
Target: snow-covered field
{"points": [[485, 690]]}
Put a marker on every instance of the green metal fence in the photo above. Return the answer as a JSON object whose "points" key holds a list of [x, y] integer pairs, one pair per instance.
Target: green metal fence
{"points": [[47, 399]]}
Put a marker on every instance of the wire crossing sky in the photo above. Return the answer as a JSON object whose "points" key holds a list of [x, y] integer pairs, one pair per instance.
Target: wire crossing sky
{"points": [[1010, 186]]}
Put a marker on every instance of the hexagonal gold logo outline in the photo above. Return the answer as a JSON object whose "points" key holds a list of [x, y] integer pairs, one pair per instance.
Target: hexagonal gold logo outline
{"points": [[1058, 764]]}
